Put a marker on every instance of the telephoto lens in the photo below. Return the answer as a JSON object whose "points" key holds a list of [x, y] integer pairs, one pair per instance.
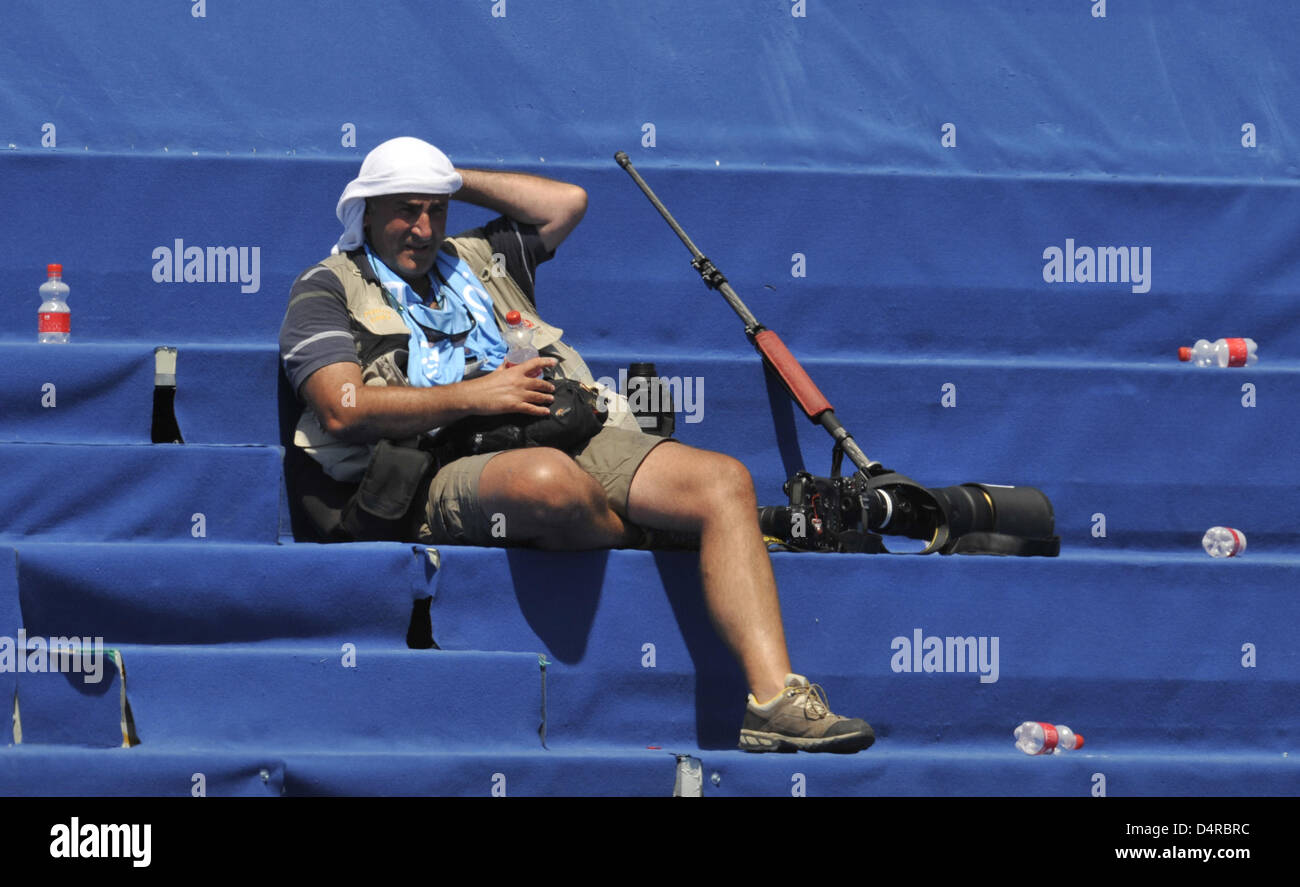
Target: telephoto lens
{"points": [[993, 508], [901, 511]]}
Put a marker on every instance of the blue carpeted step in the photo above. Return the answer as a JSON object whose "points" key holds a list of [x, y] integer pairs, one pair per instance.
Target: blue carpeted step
{"points": [[362, 697], [635, 663], [1162, 452], [989, 769], [626, 772], [262, 772], [1159, 647], [154, 493], [77, 393], [1165, 647], [226, 394], [636, 659], [942, 265], [211, 593], [103, 393], [945, 263], [982, 770], [11, 621], [70, 692], [65, 771]]}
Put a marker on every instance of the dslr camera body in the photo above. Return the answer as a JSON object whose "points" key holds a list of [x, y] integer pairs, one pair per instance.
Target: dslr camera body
{"points": [[850, 514]]}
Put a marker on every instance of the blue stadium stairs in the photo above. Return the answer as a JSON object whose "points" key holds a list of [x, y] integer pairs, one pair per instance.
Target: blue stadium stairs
{"points": [[911, 280]]}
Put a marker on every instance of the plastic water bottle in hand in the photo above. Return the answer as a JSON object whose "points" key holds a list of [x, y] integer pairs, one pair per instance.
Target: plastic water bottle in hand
{"points": [[1040, 738], [54, 319], [1223, 542], [1235, 352], [519, 339]]}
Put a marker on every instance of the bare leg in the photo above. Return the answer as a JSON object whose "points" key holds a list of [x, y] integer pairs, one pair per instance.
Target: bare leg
{"points": [[682, 488], [551, 503]]}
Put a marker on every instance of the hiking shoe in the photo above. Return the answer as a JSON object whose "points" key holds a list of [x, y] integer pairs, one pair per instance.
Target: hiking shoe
{"points": [[800, 718]]}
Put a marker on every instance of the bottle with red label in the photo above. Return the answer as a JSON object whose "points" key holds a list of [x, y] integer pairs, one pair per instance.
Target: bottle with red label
{"points": [[54, 320], [1040, 738], [1235, 352]]}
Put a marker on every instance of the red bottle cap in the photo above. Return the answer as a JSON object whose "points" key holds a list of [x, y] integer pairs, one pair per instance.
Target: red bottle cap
{"points": [[1184, 353], [513, 318], [54, 270], [1078, 740]]}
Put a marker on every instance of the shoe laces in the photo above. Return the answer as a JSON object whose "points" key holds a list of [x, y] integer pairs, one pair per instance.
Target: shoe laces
{"points": [[813, 700]]}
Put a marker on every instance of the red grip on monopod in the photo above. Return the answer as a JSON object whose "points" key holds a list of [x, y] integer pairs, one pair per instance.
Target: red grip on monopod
{"points": [[801, 387]]}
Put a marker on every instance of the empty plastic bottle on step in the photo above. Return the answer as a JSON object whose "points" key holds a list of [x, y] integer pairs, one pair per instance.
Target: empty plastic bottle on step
{"points": [[1223, 542], [1041, 738], [519, 339], [54, 319], [1235, 352]]}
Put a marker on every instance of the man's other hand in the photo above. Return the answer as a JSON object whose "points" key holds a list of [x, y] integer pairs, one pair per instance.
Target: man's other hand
{"points": [[514, 389], [359, 413]]}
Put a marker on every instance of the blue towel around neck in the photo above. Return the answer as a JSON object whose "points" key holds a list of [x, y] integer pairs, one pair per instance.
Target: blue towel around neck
{"points": [[463, 307]]}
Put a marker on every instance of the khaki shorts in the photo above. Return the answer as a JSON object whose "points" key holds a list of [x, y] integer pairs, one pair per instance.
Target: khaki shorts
{"points": [[453, 514]]}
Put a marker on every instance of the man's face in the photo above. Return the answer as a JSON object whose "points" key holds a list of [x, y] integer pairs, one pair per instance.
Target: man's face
{"points": [[405, 231]]}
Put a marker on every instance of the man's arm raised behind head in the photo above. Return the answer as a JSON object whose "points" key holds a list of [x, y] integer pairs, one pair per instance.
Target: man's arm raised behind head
{"points": [[359, 413], [554, 207]]}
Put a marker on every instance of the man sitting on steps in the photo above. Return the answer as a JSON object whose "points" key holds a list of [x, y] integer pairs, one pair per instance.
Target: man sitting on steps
{"points": [[398, 334]]}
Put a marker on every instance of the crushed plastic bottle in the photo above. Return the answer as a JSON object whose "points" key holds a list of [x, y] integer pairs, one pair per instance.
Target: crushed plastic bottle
{"points": [[1236, 352], [1223, 542], [1040, 738]]}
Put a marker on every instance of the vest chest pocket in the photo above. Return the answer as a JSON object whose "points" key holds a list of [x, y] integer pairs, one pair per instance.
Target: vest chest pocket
{"points": [[379, 319]]}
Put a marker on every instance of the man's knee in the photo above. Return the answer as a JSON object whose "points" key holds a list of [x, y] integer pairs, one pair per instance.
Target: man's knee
{"points": [[545, 485], [728, 478]]}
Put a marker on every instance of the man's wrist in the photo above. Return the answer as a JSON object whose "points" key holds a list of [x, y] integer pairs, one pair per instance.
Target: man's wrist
{"points": [[475, 185], [552, 206], [458, 400]]}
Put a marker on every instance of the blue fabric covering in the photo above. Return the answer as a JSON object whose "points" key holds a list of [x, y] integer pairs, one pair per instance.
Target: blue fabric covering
{"points": [[362, 697], [198, 204], [636, 773], [210, 593], [999, 771], [1151, 88], [1142, 648], [159, 493], [81, 394], [103, 393], [918, 265], [62, 707], [68, 771], [227, 394], [11, 620], [988, 772], [1163, 451]]}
